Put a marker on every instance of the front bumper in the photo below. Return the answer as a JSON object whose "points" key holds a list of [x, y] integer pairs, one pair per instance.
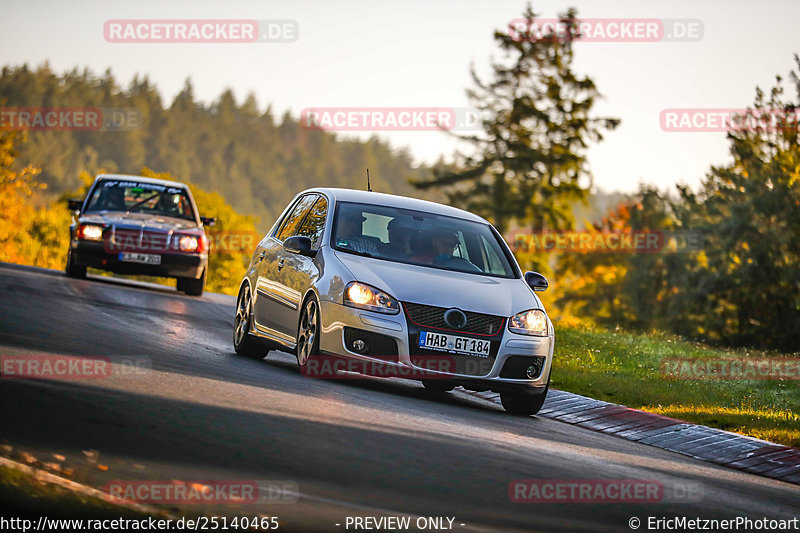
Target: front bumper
{"points": [[173, 265], [410, 362]]}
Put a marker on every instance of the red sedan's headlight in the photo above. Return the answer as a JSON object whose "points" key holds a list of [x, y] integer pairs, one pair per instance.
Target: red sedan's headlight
{"points": [[188, 243], [90, 232], [192, 243]]}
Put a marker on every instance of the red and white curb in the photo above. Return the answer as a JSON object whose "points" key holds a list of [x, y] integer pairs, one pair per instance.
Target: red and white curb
{"points": [[724, 448]]}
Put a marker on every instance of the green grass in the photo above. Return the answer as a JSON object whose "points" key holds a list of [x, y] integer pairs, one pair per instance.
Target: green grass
{"points": [[626, 368]]}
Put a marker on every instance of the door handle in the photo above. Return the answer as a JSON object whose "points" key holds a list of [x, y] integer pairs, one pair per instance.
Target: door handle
{"points": [[280, 265]]}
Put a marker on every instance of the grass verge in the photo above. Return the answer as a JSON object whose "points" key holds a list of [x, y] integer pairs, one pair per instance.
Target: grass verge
{"points": [[628, 369]]}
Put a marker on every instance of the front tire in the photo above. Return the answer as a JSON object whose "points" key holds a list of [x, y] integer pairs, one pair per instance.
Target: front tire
{"points": [[243, 342], [73, 270], [308, 332], [191, 286], [519, 403]]}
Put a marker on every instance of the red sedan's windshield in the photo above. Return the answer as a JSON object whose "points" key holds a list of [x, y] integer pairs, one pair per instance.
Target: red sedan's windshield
{"points": [[138, 197]]}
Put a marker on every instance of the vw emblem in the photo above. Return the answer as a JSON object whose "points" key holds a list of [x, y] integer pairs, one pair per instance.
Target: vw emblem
{"points": [[455, 318]]}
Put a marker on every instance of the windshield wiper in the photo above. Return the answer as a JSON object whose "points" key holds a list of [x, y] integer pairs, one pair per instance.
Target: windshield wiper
{"points": [[356, 252], [137, 204]]}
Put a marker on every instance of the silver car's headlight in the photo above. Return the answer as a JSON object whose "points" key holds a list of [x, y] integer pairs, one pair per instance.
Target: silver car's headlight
{"points": [[363, 296], [531, 322]]}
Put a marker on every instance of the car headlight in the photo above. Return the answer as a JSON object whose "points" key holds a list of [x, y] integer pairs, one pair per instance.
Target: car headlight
{"points": [[90, 232], [531, 322], [365, 297], [188, 243]]}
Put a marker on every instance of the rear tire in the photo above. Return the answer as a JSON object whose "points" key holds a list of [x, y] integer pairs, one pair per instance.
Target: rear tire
{"points": [[73, 270], [518, 403], [436, 385], [191, 286], [243, 342]]}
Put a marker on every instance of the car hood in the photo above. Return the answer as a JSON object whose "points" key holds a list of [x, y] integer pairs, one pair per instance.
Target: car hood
{"points": [[443, 288], [136, 220]]}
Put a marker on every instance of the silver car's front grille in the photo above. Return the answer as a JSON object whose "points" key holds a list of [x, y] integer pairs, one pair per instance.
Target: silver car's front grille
{"points": [[433, 317]]}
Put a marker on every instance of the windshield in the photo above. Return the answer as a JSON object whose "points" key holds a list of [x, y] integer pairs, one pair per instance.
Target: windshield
{"points": [[419, 238], [138, 197]]}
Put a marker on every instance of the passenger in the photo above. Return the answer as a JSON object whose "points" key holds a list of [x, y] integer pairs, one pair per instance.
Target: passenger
{"points": [[399, 245], [349, 233]]}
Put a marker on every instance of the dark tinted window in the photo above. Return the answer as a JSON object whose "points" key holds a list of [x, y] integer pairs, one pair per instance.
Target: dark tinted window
{"points": [[419, 238], [294, 218], [314, 224]]}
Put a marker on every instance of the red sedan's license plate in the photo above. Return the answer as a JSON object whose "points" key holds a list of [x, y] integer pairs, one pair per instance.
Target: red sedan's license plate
{"points": [[454, 344], [147, 259]]}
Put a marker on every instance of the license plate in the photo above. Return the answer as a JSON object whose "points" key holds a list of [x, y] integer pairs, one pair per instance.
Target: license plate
{"points": [[454, 344], [147, 259]]}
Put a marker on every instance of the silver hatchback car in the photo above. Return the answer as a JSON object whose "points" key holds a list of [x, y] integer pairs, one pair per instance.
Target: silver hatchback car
{"points": [[357, 281]]}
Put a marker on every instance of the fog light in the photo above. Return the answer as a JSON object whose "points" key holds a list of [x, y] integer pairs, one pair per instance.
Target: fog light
{"points": [[359, 345], [533, 371]]}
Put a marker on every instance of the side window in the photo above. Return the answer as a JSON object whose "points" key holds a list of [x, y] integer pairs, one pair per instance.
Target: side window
{"points": [[314, 224], [289, 225]]}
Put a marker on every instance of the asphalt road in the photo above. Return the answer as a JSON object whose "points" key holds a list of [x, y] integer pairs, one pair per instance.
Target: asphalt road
{"points": [[193, 410]]}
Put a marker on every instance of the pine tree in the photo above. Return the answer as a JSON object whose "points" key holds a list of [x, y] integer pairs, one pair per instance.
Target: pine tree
{"points": [[529, 162]]}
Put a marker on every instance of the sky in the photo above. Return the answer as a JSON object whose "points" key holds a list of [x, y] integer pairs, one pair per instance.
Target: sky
{"points": [[417, 53]]}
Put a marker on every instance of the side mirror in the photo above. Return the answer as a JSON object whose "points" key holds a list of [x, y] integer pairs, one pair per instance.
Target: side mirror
{"points": [[536, 281], [208, 221], [299, 245], [74, 205]]}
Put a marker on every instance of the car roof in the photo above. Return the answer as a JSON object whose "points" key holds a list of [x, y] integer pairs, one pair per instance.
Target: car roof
{"points": [[392, 200], [142, 179]]}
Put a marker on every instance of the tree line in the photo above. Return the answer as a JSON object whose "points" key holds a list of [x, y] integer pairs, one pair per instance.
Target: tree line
{"points": [[255, 161]]}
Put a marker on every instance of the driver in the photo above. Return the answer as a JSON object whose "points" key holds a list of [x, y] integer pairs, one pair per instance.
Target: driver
{"points": [[442, 244], [114, 199]]}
